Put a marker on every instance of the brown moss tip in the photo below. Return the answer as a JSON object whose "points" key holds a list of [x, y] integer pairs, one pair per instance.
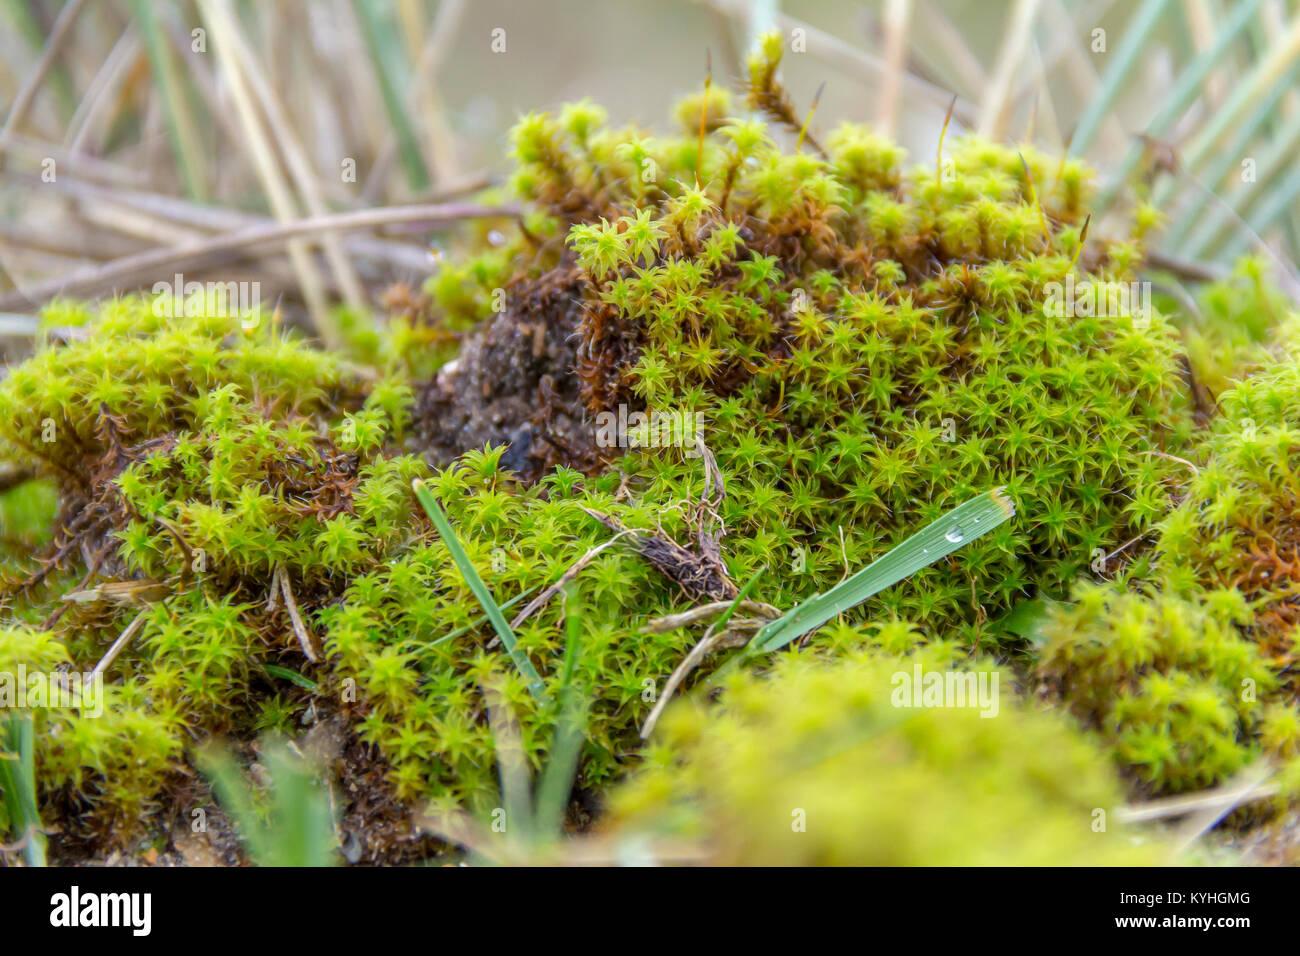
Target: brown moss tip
{"points": [[999, 495]]}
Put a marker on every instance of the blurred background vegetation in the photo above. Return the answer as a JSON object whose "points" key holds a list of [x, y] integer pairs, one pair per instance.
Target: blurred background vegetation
{"points": [[134, 125]]}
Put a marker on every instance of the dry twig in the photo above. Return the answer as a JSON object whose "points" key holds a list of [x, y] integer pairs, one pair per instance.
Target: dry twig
{"points": [[118, 646], [540, 601], [305, 639], [146, 266]]}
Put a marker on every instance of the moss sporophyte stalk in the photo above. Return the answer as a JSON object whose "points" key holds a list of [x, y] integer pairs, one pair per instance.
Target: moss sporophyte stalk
{"points": [[748, 355]]}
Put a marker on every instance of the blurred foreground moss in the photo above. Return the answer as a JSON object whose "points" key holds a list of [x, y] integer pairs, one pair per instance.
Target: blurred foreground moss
{"points": [[815, 764]]}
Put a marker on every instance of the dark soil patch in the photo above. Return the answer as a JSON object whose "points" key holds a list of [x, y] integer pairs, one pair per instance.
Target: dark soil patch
{"points": [[515, 383], [374, 828]]}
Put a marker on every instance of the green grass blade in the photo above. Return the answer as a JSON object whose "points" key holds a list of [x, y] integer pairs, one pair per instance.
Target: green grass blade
{"points": [[481, 619], [1246, 94], [1189, 227], [721, 623], [570, 732], [1186, 89], [561, 768], [233, 794], [1242, 196], [480, 590], [299, 828], [18, 782], [572, 639], [177, 108], [300, 809], [939, 539], [1278, 204], [384, 49], [22, 17], [292, 676], [1122, 61], [513, 773], [1026, 620]]}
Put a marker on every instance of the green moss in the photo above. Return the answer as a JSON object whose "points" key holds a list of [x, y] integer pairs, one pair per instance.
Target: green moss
{"points": [[27, 513], [115, 764], [1180, 696], [252, 495], [1237, 527], [113, 753], [194, 458], [870, 346], [1228, 327], [412, 638], [814, 765], [866, 344], [151, 372]]}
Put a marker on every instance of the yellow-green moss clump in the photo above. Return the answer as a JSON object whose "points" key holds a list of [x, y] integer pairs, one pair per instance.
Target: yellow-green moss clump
{"points": [[866, 345], [815, 765], [1239, 526], [195, 469], [1181, 697], [1229, 327], [413, 638]]}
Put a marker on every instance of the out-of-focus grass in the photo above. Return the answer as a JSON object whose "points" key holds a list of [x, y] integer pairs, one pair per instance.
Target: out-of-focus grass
{"points": [[18, 786], [358, 103], [292, 824]]}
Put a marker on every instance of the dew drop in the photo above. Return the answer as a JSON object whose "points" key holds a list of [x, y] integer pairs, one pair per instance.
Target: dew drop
{"points": [[955, 535]]}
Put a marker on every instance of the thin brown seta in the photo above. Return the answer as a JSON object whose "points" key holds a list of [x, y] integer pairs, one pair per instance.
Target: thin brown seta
{"points": [[807, 122], [1033, 199], [943, 134], [704, 113], [1083, 238]]}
